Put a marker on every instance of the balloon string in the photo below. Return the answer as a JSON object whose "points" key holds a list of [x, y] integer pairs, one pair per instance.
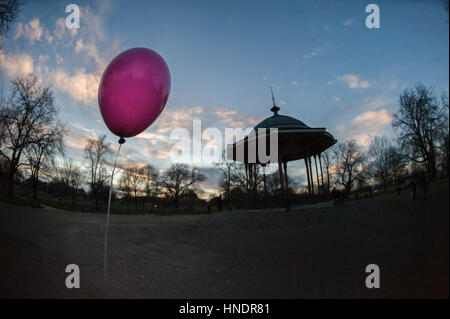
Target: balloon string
{"points": [[105, 252]]}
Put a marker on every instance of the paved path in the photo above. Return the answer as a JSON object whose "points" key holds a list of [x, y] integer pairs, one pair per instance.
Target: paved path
{"points": [[306, 254]]}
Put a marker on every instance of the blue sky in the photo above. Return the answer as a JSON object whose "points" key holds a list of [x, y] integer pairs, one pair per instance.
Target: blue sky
{"points": [[325, 66]]}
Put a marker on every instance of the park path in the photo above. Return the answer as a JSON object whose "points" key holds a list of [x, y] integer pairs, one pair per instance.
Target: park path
{"points": [[305, 254]]}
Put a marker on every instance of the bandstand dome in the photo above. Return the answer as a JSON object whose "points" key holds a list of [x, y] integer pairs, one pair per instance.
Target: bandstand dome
{"points": [[296, 140]]}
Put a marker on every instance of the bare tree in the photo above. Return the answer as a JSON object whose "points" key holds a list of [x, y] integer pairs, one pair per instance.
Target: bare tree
{"points": [[397, 162], [443, 139], [150, 175], [350, 163], [125, 188], [27, 118], [326, 158], [68, 175], [420, 121], [179, 180], [97, 152], [379, 154], [135, 181], [241, 178], [76, 180], [9, 9], [273, 183], [226, 181], [39, 153], [444, 153]]}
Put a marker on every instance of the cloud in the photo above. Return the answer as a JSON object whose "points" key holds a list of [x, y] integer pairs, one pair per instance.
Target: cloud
{"points": [[372, 119], [225, 113], [94, 21], [80, 83], [79, 126], [31, 30], [231, 118], [379, 102], [392, 85], [156, 142], [374, 102], [59, 59], [295, 83], [160, 150], [60, 28], [177, 118], [226, 117], [153, 137], [365, 126], [60, 31], [81, 86], [316, 51], [337, 98], [48, 37], [16, 64], [90, 50], [353, 81], [310, 55], [41, 67], [348, 23], [75, 139]]}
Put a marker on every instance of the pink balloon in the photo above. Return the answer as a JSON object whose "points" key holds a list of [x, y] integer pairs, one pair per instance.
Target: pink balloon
{"points": [[133, 91]]}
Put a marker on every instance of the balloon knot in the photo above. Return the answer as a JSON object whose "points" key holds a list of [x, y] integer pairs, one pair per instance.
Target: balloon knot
{"points": [[121, 140]]}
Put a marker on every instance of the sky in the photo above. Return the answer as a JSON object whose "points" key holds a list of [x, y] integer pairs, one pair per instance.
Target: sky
{"points": [[325, 66]]}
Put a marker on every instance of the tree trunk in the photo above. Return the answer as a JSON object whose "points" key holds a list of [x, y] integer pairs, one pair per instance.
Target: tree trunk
{"points": [[432, 162], [35, 186], [228, 197], [11, 175], [328, 181]]}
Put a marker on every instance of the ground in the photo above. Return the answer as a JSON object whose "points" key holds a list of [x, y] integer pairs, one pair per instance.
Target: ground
{"points": [[316, 253]]}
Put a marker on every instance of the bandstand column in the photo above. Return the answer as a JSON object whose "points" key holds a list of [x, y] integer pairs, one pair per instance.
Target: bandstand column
{"points": [[307, 175], [280, 170], [264, 181], [321, 174], [255, 179], [285, 175], [317, 175], [246, 175], [311, 174]]}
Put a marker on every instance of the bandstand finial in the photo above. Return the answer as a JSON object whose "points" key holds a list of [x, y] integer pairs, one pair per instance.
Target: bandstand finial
{"points": [[274, 108]]}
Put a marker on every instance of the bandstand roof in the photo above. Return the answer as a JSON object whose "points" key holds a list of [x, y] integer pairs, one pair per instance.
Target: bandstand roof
{"points": [[296, 140]]}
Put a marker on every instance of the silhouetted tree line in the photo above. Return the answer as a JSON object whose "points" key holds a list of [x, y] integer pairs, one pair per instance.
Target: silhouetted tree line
{"points": [[33, 156]]}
